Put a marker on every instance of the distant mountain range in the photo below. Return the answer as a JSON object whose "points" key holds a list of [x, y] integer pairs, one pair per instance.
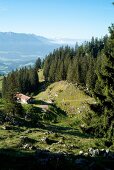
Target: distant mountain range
{"points": [[19, 49]]}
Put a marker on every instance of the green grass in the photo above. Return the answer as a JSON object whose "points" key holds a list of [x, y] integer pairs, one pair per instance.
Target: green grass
{"points": [[40, 74], [66, 96], [68, 139], [64, 131], [75, 103]]}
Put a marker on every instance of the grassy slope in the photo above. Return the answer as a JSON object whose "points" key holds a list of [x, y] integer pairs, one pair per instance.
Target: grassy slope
{"points": [[67, 97], [1, 77], [66, 132], [75, 102]]}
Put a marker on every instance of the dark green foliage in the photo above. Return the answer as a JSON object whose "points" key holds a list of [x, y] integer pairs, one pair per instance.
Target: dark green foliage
{"points": [[76, 65], [24, 80], [101, 121], [38, 64], [90, 65], [54, 114], [12, 108], [32, 114], [105, 95], [57, 63]]}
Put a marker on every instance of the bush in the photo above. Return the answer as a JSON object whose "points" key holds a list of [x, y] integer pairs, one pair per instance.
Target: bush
{"points": [[94, 124], [32, 113]]}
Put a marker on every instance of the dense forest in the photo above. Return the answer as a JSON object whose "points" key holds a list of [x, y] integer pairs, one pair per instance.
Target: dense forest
{"points": [[90, 65], [76, 65], [59, 113], [24, 80]]}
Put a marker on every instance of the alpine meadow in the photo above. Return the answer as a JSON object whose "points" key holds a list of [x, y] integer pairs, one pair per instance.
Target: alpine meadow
{"points": [[57, 94]]}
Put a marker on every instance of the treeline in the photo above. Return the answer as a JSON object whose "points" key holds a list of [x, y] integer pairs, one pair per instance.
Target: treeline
{"points": [[76, 65], [24, 80], [90, 65]]}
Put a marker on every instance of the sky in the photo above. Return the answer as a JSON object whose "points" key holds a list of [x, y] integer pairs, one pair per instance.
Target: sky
{"points": [[74, 19]]}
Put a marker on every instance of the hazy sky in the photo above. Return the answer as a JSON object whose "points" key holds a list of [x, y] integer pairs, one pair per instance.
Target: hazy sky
{"points": [[57, 18]]}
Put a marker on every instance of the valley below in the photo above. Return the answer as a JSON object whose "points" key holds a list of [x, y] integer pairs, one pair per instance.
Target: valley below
{"points": [[11, 61]]}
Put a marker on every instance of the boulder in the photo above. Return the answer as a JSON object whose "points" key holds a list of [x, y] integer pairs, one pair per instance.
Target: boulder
{"points": [[81, 152], [48, 141]]}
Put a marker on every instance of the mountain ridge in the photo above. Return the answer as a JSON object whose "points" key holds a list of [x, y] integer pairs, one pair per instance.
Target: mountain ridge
{"points": [[21, 49]]}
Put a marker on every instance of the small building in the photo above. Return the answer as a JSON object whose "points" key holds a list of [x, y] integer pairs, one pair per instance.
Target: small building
{"points": [[21, 98]]}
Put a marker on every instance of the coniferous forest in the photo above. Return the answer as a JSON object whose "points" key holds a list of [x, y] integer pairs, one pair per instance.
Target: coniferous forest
{"points": [[24, 80], [59, 113], [90, 65]]}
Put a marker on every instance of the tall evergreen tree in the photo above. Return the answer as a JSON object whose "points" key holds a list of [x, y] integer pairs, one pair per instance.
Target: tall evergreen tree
{"points": [[102, 119], [104, 91], [38, 64]]}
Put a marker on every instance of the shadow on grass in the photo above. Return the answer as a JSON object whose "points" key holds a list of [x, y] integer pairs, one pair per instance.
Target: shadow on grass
{"points": [[37, 160], [34, 116], [41, 102], [66, 131], [44, 160], [43, 86]]}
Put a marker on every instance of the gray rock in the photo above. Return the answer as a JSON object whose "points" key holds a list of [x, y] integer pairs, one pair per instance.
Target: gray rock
{"points": [[49, 132], [60, 141], [93, 152], [43, 139], [102, 152], [81, 152], [48, 141], [86, 154], [90, 150], [6, 127], [32, 147], [26, 146], [28, 131]]}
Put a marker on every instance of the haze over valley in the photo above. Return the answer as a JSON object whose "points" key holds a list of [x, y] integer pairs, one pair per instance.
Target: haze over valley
{"points": [[19, 49], [56, 84]]}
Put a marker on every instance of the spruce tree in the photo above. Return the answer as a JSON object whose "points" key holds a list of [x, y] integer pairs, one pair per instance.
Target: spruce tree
{"points": [[104, 91], [38, 64]]}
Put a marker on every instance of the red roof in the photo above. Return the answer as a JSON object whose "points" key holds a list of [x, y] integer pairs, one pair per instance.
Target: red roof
{"points": [[22, 96]]}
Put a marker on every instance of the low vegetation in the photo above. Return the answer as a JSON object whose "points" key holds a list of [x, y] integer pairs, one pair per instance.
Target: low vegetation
{"points": [[50, 128], [90, 65], [70, 125]]}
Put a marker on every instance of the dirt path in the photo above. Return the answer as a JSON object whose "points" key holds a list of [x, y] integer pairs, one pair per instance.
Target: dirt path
{"points": [[43, 107], [76, 100]]}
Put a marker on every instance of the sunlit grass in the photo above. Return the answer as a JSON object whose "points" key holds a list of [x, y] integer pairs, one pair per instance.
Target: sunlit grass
{"points": [[1, 78], [40, 74], [65, 132], [68, 97]]}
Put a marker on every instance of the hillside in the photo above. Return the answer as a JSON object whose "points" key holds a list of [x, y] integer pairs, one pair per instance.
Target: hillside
{"points": [[19, 49], [56, 137], [66, 96]]}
